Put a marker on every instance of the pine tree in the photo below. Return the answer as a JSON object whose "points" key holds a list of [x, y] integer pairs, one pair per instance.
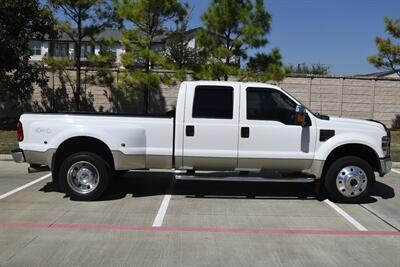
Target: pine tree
{"points": [[231, 27], [178, 47], [388, 57], [146, 20], [83, 19]]}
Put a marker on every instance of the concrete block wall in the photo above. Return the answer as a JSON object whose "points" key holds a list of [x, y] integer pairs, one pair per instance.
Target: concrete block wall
{"points": [[358, 97]]}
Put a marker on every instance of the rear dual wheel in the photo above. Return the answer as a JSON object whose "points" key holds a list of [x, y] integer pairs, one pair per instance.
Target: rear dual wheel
{"points": [[349, 180], [84, 176]]}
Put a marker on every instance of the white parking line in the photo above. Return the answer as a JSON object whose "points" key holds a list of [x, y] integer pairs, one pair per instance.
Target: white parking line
{"points": [[158, 220], [358, 225], [24, 186], [396, 171], [161, 211]]}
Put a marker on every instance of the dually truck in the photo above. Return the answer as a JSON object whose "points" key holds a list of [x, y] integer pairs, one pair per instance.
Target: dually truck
{"points": [[217, 127]]}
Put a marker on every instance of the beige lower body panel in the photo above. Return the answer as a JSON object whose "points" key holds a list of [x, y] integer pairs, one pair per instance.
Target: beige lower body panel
{"points": [[132, 162], [159, 162], [310, 166], [316, 168], [39, 158], [207, 163], [275, 164], [128, 162]]}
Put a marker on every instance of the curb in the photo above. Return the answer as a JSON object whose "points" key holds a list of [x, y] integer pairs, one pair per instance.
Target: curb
{"points": [[5, 157]]}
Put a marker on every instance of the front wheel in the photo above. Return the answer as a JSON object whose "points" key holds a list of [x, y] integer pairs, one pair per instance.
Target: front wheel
{"points": [[84, 176], [349, 180]]}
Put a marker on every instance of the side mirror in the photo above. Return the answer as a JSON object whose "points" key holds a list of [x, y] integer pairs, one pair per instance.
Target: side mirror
{"points": [[300, 115]]}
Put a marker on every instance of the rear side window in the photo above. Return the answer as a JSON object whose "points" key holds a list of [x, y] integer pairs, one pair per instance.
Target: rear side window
{"points": [[213, 102]]}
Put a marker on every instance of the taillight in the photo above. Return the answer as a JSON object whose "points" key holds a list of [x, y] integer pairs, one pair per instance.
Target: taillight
{"points": [[386, 145], [20, 132]]}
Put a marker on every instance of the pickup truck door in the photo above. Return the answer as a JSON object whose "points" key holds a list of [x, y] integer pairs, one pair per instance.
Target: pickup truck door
{"points": [[269, 137], [211, 129]]}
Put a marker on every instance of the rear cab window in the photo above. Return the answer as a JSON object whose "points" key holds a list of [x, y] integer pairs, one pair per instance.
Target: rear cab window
{"points": [[213, 102]]}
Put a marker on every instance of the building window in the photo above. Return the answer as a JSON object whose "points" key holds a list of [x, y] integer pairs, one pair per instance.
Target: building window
{"points": [[35, 47], [109, 50], [59, 49], [86, 50], [213, 102], [270, 105]]}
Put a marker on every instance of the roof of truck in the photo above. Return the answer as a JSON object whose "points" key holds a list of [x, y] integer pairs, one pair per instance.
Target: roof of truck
{"points": [[232, 83]]}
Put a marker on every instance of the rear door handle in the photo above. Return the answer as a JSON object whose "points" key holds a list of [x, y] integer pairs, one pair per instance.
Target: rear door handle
{"points": [[189, 130], [245, 132]]}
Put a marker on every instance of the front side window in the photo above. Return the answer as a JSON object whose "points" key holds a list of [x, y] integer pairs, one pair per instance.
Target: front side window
{"points": [[35, 47], [213, 102], [270, 104]]}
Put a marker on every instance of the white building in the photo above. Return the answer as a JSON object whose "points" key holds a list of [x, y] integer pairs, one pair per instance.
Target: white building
{"points": [[64, 46]]}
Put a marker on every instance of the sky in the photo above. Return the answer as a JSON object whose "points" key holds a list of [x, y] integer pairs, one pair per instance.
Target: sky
{"points": [[337, 33]]}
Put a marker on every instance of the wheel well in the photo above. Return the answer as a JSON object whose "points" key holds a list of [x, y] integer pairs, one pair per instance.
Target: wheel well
{"points": [[357, 150], [80, 144]]}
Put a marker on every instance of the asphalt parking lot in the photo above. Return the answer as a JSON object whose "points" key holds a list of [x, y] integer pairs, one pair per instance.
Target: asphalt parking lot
{"points": [[149, 220]]}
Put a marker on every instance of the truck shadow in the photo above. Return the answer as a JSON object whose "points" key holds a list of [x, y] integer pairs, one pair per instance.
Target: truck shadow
{"points": [[141, 184]]}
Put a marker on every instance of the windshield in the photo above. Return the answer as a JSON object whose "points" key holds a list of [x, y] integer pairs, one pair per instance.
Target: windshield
{"points": [[316, 114]]}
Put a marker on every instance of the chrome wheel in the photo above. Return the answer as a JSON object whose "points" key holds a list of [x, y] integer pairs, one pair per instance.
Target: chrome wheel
{"points": [[351, 181], [83, 177]]}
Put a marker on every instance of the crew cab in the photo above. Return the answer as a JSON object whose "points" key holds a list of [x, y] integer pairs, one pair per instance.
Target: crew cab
{"points": [[217, 126]]}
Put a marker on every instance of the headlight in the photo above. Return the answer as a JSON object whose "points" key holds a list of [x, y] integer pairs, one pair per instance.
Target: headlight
{"points": [[386, 145]]}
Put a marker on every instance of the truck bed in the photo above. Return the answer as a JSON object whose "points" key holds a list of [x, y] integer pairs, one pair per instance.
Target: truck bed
{"points": [[140, 141]]}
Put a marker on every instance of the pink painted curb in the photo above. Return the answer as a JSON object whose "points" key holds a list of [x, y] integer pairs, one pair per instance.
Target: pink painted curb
{"points": [[7, 225]]}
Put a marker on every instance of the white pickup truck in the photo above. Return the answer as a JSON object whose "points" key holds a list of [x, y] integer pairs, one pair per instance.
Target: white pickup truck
{"points": [[217, 126]]}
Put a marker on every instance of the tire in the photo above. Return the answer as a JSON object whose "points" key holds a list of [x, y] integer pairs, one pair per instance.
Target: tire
{"points": [[349, 180], [84, 176]]}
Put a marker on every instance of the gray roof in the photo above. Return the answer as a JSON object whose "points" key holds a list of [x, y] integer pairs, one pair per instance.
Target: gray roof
{"points": [[116, 35], [107, 33]]}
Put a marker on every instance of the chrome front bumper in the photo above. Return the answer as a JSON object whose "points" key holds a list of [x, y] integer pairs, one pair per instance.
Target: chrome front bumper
{"points": [[18, 155], [385, 165]]}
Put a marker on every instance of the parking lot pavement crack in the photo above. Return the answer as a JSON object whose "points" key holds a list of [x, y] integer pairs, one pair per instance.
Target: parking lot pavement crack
{"points": [[379, 217], [58, 217], [27, 244]]}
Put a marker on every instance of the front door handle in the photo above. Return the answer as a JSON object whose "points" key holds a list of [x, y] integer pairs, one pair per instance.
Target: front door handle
{"points": [[245, 132], [189, 130]]}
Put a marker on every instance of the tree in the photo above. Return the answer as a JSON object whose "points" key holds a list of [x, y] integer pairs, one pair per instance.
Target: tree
{"points": [[178, 49], [145, 21], [83, 19], [56, 98], [316, 69], [265, 67], [388, 57], [231, 27], [21, 21]]}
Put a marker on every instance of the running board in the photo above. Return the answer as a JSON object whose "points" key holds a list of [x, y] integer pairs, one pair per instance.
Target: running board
{"points": [[246, 179]]}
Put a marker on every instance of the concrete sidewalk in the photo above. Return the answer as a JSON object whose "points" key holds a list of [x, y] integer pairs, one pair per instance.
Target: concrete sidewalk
{"points": [[5, 157]]}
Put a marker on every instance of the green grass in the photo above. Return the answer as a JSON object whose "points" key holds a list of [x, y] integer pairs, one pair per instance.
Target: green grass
{"points": [[395, 146], [8, 141]]}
